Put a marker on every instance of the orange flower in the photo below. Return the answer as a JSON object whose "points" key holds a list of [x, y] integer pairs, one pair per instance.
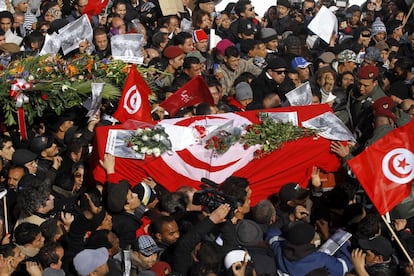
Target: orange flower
{"points": [[73, 70], [19, 69], [125, 69], [89, 65], [48, 69]]}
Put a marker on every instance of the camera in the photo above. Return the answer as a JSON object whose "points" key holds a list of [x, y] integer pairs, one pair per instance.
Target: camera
{"points": [[211, 198]]}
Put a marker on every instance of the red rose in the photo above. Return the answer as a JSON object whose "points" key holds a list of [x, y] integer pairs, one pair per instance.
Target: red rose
{"points": [[245, 146], [257, 131], [45, 97], [129, 144]]}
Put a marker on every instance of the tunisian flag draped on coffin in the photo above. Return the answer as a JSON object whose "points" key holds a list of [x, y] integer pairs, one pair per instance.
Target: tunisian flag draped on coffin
{"points": [[292, 163]]}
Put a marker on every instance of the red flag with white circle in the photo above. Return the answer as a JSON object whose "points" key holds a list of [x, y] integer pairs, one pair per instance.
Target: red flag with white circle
{"points": [[134, 103], [386, 168]]}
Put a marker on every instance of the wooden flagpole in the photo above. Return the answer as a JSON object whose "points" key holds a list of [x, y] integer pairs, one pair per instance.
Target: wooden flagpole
{"points": [[397, 239], [408, 15]]}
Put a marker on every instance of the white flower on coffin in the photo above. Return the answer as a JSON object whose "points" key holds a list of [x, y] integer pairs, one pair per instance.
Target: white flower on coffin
{"points": [[156, 152], [139, 131], [144, 150], [156, 137], [149, 152], [135, 148], [144, 138], [147, 129]]}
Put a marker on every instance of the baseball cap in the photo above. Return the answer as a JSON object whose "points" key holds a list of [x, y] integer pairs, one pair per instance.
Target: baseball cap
{"points": [[378, 245], [347, 55], [327, 57], [292, 191], [235, 256], [146, 245], [23, 156], [300, 62], [246, 27], [40, 143]]}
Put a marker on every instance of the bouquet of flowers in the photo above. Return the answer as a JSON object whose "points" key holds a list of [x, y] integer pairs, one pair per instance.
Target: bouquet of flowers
{"points": [[223, 140], [150, 141], [271, 134], [58, 84]]}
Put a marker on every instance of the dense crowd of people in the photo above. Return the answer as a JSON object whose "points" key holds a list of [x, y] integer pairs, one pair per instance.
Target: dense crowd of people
{"points": [[56, 220]]}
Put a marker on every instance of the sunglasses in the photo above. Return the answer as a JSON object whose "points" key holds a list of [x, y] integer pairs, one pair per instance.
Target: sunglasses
{"points": [[280, 72], [366, 34]]}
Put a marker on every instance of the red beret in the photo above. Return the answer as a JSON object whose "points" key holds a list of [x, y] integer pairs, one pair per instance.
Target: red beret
{"points": [[172, 52], [368, 72], [382, 112], [383, 103]]}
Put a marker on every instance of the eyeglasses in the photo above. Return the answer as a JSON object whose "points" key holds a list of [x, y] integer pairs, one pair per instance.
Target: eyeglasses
{"points": [[251, 9], [280, 72], [366, 34]]}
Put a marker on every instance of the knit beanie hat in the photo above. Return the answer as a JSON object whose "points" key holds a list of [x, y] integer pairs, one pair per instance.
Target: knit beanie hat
{"points": [[378, 27], [243, 91]]}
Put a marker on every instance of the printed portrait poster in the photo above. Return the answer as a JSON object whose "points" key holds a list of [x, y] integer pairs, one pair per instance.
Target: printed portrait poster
{"points": [[75, 32], [128, 48]]}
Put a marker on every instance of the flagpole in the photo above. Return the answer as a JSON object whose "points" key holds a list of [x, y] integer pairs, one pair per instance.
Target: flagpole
{"points": [[394, 235], [408, 15]]}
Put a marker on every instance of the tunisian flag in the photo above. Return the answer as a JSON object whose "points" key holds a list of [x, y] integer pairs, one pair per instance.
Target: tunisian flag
{"points": [[193, 92], [95, 7], [292, 163], [134, 102], [386, 168]]}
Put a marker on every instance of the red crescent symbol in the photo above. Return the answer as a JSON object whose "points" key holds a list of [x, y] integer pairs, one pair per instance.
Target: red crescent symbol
{"points": [[393, 170], [190, 120], [189, 158]]}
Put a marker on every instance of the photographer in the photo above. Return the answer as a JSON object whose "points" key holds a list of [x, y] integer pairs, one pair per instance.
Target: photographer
{"points": [[192, 241], [239, 189]]}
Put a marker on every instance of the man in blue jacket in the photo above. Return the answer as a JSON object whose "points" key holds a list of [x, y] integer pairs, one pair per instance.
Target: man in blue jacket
{"points": [[296, 254]]}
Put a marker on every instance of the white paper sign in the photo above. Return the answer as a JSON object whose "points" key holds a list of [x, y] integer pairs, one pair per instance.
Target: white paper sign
{"points": [[301, 95], [51, 45], [324, 24], [180, 136], [284, 117], [75, 32], [330, 127], [97, 89], [115, 144], [128, 48]]}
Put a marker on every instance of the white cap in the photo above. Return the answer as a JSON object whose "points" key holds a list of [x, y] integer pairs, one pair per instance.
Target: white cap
{"points": [[235, 256]]}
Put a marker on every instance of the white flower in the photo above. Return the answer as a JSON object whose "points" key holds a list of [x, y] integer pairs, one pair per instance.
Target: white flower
{"points": [[149, 152], [147, 129], [81, 77], [156, 137], [144, 149], [31, 78], [144, 138], [65, 87], [135, 147], [139, 131], [156, 152]]}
